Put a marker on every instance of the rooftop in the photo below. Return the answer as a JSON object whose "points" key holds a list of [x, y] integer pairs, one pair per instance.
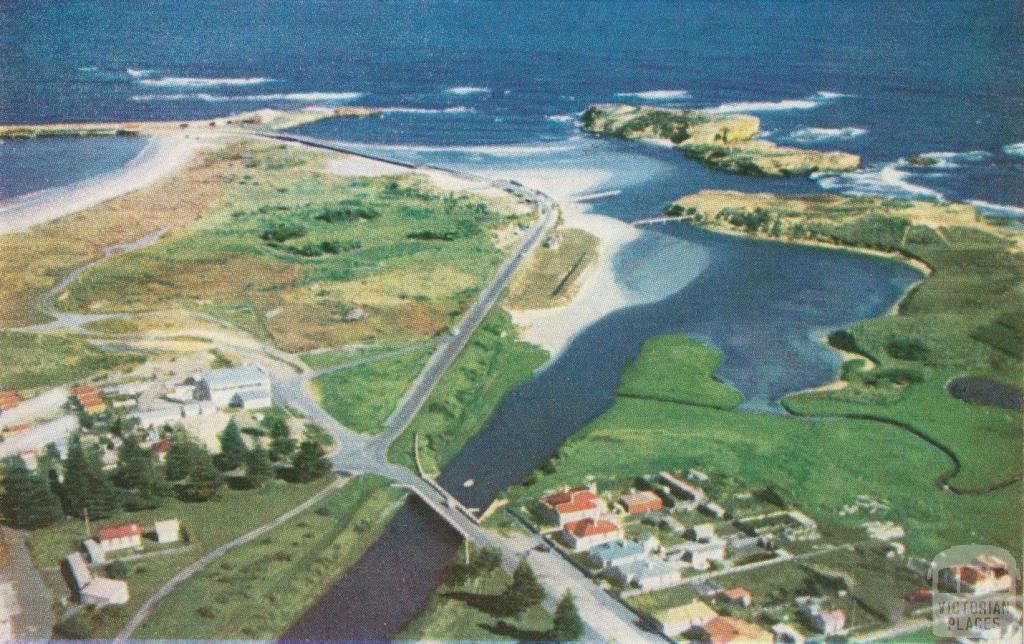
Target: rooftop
{"points": [[695, 611], [117, 532], [248, 375], [591, 527], [616, 549], [647, 568]]}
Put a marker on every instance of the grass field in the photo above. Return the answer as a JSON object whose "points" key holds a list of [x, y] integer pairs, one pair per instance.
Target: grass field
{"points": [[43, 360], [552, 276], [287, 251], [467, 612], [208, 524], [361, 398], [258, 590], [493, 362], [657, 374], [823, 464]]}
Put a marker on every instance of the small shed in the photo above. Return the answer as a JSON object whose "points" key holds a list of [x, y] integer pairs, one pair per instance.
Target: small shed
{"points": [[167, 531]]}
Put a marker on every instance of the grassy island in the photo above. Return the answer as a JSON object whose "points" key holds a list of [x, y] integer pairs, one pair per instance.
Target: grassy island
{"points": [[721, 141]]}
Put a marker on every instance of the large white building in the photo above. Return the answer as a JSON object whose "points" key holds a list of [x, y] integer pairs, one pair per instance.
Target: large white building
{"points": [[225, 387], [95, 591]]}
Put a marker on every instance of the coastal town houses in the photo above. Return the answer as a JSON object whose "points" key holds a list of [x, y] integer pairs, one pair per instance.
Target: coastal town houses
{"points": [[681, 619], [736, 596], [822, 618], [986, 574], [586, 533], [682, 488], [225, 387], [121, 537], [729, 630], [616, 553], [640, 502], [571, 505], [783, 633], [645, 574], [94, 591]]}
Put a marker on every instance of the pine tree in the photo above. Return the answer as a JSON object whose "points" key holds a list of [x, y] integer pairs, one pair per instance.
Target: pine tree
{"points": [[136, 471], [181, 457], [85, 485], [258, 468], [27, 501], [568, 627], [204, 482], [310, 462], [232, 448], [525, 590]]}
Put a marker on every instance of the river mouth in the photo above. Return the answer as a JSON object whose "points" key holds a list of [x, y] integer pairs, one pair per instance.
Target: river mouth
{"points": [[763, 304]]}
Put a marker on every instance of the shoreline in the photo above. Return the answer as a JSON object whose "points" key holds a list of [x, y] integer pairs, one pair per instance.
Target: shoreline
{"points": [[161, 156]]}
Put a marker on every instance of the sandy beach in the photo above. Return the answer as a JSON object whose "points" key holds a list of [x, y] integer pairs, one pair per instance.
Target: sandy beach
{"points": [[161, 156]]}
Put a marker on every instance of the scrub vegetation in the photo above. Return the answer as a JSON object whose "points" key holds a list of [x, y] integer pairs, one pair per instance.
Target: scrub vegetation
{"points": [[306, 259], [553, 275], [44, 360]]}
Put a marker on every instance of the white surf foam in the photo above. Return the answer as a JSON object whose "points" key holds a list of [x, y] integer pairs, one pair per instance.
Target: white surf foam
{"points": [[139, 73], [465, 90], [657, 94], [221, 98], [808, 103], [196, 81], [89, 68], [949, 160], [1015, 149], [455, 109], [996, 209], [885, 180], [817, 134], [562, 118]]}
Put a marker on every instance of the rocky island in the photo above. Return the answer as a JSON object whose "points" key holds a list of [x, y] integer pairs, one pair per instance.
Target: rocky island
{"points": [[722, 141]]}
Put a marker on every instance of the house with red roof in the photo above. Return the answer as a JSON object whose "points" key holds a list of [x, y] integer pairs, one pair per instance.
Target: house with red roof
{"points": [[640, 502], [729, 630], [9, 399], [160, 449], [128, 535], [986, 574], [737, 596], [586, 533], [571, 505]]}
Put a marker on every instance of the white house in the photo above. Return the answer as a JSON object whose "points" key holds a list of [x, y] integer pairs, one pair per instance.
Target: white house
{"points": [[257, 399], [783, 633], [221, 385], [647, 574], [94, 591], [587, 533], [121, 537], [679, 619], [167, 531], [96, 554], [158, 417], [701, 555]]}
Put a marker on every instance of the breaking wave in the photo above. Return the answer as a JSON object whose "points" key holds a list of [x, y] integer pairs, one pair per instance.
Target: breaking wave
{"points": [[657, 94], [809, 103], [464, 90], [191, 81], [1015, 149], [455, 109], [221, 98], [950, 160], [562, 118], [139, 73], [817, 134], [885, 180]]}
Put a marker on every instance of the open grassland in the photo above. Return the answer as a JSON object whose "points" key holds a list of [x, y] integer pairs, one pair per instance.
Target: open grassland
{"points": [[553, 276], [307, 259], [472, 611], [258, 590], [677, 368], [42, 360], [209, 525], [822, 463], [361, 398], [492, 363], [34, 260]]}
